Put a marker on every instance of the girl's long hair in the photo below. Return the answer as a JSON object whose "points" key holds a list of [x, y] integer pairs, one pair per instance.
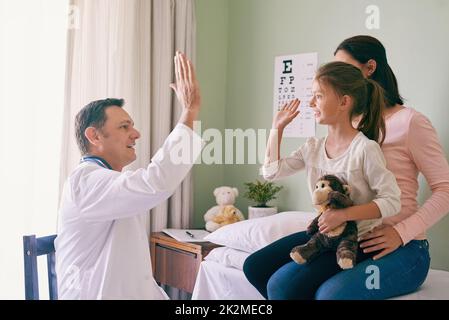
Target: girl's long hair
{"points": [[367, 95]]}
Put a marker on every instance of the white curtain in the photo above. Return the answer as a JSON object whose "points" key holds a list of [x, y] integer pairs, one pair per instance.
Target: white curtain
{"points": [[124, 49]]}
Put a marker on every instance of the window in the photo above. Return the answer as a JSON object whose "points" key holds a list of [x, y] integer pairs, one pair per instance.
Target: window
{"points": [[32, 68]]}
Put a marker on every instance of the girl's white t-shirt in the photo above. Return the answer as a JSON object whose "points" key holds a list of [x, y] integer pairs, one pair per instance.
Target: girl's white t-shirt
{"points": [[362, 166]]}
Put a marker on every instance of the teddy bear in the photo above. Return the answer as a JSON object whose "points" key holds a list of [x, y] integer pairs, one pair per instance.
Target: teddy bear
{"points": [[330, 193], [224, 196], [227, 215]]}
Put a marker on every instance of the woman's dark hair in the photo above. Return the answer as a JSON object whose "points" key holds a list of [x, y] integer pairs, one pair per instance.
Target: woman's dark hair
{"points": [[365, 48], [367, 95], [92, 115]]}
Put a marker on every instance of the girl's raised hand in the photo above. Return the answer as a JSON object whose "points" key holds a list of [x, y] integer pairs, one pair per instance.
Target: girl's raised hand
{"points": [[286, 115]]}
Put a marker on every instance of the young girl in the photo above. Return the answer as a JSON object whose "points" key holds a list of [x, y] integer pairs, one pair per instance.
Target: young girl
{"points": [[411, 147], [340, 94]]}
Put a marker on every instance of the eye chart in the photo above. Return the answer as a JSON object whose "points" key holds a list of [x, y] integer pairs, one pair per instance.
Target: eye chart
{"points": [[293, 77]]}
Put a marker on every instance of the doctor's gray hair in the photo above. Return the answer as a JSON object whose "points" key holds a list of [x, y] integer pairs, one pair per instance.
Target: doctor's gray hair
{"points": [[92, 115]]}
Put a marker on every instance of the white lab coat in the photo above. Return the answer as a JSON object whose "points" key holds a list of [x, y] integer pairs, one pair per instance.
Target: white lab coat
{"points": [[102, 249]]}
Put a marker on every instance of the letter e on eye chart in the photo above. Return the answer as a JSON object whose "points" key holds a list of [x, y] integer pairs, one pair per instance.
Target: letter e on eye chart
{"points": [[293, 77]]}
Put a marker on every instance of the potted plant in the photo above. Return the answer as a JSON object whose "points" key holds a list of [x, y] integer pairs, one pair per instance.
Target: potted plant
{"points": [[261, 193]]}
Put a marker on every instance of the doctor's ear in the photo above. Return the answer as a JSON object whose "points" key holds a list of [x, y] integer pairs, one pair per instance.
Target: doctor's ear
{"points": [[92, 135]]}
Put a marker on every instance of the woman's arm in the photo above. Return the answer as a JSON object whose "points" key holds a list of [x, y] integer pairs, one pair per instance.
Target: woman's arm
{"points": [[428, 155], [429, 158]]}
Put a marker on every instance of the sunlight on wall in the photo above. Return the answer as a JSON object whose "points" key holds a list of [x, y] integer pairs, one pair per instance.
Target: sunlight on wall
{"points": [[32, 65]]}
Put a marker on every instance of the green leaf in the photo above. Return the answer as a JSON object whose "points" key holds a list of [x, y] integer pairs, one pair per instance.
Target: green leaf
{"points": [[261, 192]]}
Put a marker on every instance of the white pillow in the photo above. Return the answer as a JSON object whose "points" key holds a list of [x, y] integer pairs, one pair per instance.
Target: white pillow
{"points": [[228, 257], [254, 234]]}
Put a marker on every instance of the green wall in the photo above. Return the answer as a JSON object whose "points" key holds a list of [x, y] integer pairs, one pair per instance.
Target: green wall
{"points": [[212, 65], [237, 43]]}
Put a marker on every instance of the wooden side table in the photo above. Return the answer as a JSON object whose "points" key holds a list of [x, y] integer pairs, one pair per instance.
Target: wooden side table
{"points": [[177, 263]]}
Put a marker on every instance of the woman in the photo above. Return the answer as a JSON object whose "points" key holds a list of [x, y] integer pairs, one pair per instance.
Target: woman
{"points": [[399, 249], [411, 147]]}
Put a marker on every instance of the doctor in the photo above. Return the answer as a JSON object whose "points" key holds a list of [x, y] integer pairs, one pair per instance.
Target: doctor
{"points": [[102, 249]]}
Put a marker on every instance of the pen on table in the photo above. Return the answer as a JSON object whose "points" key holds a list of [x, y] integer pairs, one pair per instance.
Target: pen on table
{"points": [[190, 235]]}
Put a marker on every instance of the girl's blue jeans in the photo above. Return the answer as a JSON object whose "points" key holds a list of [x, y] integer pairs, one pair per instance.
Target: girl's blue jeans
{"points": [[272, 272]]}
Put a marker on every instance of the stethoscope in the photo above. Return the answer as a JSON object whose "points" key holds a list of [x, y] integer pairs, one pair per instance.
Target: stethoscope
{"points": [[97, 160]]}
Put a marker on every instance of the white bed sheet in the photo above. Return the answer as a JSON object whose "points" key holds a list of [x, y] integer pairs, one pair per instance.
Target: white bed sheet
{"points": [[217, 282]]}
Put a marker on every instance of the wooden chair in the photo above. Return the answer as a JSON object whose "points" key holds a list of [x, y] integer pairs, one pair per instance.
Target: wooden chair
{"points": [[32, 248]]}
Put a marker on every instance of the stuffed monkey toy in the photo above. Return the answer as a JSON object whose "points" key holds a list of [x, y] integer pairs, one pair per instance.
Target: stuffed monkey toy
{"points": [[330, 193]]}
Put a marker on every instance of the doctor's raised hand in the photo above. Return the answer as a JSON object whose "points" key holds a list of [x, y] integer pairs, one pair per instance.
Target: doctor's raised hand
{"points": [[187, 89]]}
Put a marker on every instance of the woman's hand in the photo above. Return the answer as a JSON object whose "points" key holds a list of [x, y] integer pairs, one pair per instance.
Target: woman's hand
{"points": [[286, 115], [383, 237], [330, 219], [186, 88]]}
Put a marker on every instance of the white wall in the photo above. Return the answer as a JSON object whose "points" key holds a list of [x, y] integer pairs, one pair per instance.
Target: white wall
{"points": [[32, 65]]}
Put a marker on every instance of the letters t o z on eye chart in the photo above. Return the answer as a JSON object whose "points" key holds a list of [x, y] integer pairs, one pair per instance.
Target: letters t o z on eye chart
{"points": [[293, 77]]}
